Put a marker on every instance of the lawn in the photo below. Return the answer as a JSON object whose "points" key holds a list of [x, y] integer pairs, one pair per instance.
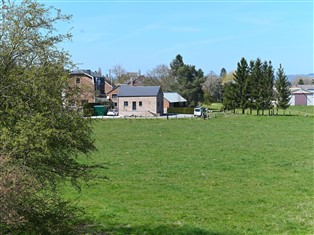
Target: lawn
{"points": [[226, 175]]}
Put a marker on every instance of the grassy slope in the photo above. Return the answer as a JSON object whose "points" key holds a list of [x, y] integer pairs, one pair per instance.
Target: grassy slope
{"points": [[226, 175]]}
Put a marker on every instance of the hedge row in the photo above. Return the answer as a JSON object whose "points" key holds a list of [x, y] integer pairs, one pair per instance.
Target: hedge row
{"points": [[181, 110]]}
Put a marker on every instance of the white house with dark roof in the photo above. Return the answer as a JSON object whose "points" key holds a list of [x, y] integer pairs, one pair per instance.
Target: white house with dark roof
{"points": [[140, 101]]}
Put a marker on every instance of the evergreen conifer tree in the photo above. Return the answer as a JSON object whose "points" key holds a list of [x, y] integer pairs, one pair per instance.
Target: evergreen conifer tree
{"points": [[257, 85], [265, 86], [270, 86], [282, 89], [241, 77], [229, 99]]}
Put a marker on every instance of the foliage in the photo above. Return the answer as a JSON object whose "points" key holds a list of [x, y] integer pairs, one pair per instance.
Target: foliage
{"points": [[229, 99], [27, 207], [300, 82], [241, 77], [181, 110], [265, 87], [282, 89], [226, 175], [189, 81], [252, 87], [38, 130]]}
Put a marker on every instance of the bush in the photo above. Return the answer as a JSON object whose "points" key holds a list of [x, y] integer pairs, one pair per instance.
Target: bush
{"points": [[27, 208]]}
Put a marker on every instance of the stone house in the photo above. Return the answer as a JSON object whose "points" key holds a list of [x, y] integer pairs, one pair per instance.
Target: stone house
{"points": [[113, 96], [85, 87], [140, 101]]}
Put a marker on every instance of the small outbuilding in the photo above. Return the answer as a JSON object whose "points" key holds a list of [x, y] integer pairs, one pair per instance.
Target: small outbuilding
{"points": [[173, 99], [302, 97]]}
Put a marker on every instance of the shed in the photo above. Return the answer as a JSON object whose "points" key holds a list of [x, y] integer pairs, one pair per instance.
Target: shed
{"points": [[302, 97], [173, 99]]}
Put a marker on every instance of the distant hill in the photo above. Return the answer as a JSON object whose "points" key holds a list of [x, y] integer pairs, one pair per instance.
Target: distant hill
{"points": [[291, 77]]}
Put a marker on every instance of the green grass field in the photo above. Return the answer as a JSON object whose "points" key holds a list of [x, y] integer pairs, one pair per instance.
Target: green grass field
{"points": [[226, 175]]}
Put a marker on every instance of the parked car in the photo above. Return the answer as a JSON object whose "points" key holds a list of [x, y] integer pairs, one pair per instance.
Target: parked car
{"points": [[112, 112], [198, 111]]}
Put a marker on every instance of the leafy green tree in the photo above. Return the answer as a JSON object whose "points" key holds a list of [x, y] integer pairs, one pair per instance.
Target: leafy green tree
{"points": [[40, 135], [282, 89]]}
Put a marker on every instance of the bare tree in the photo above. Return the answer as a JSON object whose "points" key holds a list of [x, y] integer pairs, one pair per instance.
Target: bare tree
{"points": [[160, 76], [212, 87], [119, 73]]}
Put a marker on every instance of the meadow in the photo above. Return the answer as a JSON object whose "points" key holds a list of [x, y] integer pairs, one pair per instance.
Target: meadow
{"points": [[232, 174]]}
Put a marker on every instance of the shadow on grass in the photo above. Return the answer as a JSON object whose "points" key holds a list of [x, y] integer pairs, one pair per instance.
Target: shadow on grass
{"points": [[154, 230]]}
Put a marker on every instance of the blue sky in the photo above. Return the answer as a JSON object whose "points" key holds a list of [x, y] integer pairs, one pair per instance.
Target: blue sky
{"points": [[139, 35]]}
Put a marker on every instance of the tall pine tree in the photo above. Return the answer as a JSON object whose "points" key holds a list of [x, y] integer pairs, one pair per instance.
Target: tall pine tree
{"points": [[229, 99], [270, 78], [265, 86], [241, 77], [282, 89], [257, 85]]}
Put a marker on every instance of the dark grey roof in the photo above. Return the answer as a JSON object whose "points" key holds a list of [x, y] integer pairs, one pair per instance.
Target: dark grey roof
{"points": [[81, 72], [138, 91], [85, 71]]}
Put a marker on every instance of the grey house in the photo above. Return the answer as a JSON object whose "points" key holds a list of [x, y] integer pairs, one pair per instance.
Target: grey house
{"points": [[140, 101]]}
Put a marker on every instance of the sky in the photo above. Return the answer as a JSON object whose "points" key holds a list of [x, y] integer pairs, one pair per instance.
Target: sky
{"points": [[139, 35]]}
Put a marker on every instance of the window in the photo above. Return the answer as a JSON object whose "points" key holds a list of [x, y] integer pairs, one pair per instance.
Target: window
{"points": [[78, 80], [140, 103], [114, 96], [126, 103], [115, 104]]}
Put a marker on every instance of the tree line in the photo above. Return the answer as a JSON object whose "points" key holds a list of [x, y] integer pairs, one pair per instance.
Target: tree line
{"points": [[252, 86], [255, 87]]}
